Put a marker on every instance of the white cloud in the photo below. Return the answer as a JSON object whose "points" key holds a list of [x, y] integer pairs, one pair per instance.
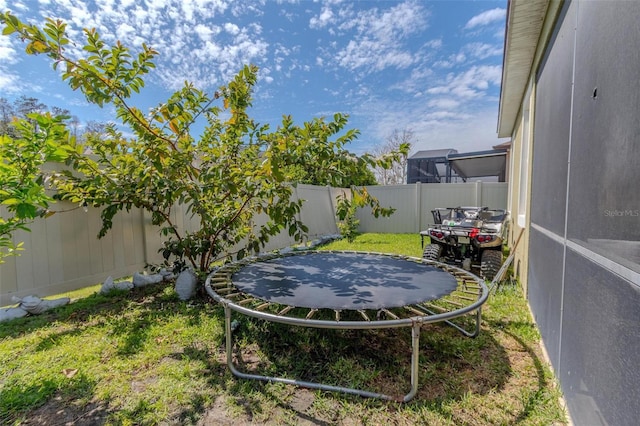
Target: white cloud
{"points": [[9, 82], [486, 18], [322, 20], [194, 38], [483, 50], [377, 38], [471, 83], [205, 32], [8, 54], [232, 29], [463, 130], [443, 103], [374, 60], [124, 30]]}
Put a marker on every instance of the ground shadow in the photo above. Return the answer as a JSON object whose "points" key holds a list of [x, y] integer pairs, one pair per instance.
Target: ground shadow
{"points": [[451, 365]]}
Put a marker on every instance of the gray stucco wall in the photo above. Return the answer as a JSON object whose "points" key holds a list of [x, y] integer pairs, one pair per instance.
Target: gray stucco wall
{"points": [[584, 266]]}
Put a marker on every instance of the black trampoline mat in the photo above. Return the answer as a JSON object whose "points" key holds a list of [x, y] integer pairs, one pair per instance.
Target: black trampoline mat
{"points": [[343, 281]]}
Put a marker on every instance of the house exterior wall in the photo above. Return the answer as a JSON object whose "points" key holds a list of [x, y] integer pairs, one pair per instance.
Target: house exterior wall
{"points": [[518, 234], [583, 242]]}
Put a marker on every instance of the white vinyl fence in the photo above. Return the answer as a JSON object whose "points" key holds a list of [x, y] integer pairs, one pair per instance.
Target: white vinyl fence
{"points": [[63, 253], [414, 203]]}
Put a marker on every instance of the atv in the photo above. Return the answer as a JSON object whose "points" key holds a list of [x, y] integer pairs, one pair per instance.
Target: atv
{"points": [[470, 237]]}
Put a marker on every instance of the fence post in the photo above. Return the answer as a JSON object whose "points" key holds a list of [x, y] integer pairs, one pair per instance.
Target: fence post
{"points": [[418, 206], [479, 193], [333, 209], [145, 239]]}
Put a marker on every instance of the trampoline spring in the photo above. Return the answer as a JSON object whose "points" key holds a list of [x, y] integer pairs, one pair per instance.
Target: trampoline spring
{"points": [[471, 299], [472, 286], [223, 287], [233, 295], [311, 313], [363, 314], [454, 303], [415, 310], [435, 307], [246, 301], [263, 306], [285, 310], [388, 312], [218, 279]]}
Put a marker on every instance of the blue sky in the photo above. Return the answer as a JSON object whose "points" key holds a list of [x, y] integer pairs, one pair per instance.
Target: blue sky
{"points": [[432, 67]]}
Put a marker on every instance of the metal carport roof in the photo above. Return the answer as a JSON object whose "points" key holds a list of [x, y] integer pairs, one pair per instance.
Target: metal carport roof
{"points": [[479, 164]]}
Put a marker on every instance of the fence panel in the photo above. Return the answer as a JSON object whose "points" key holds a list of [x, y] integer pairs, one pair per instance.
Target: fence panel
{"points": [[63, 253], [414, 203], [404, 198]]}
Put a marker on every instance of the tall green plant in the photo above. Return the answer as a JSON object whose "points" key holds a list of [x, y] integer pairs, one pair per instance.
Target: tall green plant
{"points": [[227, 176], [38, 139]]}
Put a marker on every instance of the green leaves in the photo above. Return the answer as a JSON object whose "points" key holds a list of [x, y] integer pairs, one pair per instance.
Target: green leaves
{"points": [[233, 180], [42, 138]]}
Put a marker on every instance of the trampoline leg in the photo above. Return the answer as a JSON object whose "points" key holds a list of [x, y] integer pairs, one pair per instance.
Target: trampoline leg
{"points": [[415, 361], [415, 337], [228, 339]]}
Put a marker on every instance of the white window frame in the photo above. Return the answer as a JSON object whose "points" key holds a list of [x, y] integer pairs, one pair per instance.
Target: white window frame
{"points": [[525, 149]]}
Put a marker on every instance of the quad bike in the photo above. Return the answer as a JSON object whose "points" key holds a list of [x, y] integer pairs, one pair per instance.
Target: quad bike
{"points": [[470, 237]]}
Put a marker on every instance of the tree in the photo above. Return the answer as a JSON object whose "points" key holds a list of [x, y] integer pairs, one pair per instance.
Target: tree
{"points": [[235, 170], [6, 117], [40, 138], [395, 172], [316, 161]]}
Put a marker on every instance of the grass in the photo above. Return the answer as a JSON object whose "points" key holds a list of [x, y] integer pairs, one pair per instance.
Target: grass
{"points": [[146, 358]]}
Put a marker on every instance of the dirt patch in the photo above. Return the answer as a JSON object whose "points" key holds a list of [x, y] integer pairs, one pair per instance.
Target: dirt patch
{"points": [[58, 412]]}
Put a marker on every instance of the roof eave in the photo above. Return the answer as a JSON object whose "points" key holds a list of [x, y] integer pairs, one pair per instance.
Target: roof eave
{"points": [[525, 19]]}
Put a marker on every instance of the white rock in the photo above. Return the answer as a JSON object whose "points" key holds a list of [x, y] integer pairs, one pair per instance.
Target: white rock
{"points": [[167, 275], [141, 280], [35, 305], [108, 285], [12, 313], [123, 285], [186, 284]]}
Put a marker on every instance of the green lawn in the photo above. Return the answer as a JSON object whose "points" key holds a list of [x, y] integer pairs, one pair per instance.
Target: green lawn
{"points": [[147, 358]]}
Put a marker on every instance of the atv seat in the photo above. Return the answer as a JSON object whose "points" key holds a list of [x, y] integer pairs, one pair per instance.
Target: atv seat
{"points": [[441, 213]]}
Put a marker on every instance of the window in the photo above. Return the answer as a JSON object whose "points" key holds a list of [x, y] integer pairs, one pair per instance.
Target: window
{"points": [[523, 193]]}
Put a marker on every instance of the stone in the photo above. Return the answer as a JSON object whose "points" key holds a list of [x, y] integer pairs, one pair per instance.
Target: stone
{"points": [[35, 305], [141, 280], [108, 285], [167, 275], [186, 284], [8, 314]]}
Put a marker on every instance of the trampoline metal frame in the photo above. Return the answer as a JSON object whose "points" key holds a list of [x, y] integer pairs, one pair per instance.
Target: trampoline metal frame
{"points": [[219, 281]]}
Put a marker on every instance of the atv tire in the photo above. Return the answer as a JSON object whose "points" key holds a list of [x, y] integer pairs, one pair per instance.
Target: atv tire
{"points": [[432, 252], [490, 263]]}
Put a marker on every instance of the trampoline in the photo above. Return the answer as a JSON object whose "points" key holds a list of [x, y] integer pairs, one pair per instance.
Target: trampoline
{"points": [[346, 290]]}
